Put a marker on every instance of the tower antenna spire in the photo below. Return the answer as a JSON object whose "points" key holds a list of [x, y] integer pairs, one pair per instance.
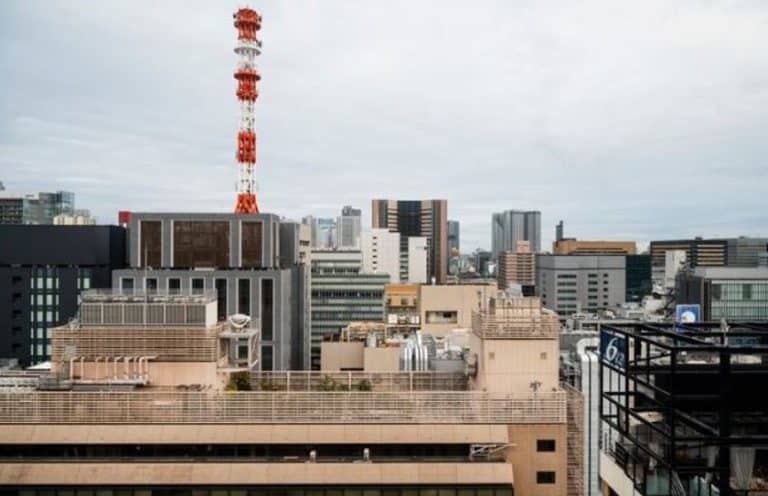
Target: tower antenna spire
{"points": [[248, 23]]}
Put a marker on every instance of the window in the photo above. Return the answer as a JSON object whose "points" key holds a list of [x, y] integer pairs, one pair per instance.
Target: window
{"points": [[149, 252], [198, 286], [267, 309], [151, 284], [547, 477], [251, 244], [442, 317], [126, 284], [545, 445], [200, 244], [244, 296], [746, 291], [266, 358], [174, 285], [221, 297]]}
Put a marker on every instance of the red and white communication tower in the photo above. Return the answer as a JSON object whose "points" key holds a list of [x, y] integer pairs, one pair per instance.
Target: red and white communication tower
{"points": [[248, 23]]}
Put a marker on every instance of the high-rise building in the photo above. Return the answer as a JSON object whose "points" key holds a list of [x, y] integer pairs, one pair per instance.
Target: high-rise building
{"points": [[698, 251], [745, 252], [454, 248], [518, 267], [511, 226], [38, 208], [251, 260], [381, 253], [427, 218], [731, 293], [638, 275], [342, 293], [324, 233], [413, 268], [42, 272], [568, 283], [349, 226]]}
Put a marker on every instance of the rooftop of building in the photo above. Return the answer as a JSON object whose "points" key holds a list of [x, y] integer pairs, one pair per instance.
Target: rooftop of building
{"points": [[746, 273]]}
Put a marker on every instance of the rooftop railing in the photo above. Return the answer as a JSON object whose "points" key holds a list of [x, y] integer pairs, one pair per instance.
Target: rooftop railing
{"points": [[174, 407], [307, 381], [515, 324]]}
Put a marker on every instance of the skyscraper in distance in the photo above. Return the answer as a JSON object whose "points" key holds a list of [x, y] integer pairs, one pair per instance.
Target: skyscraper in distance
{"points": [[511, 226], [453, 238], [427, 218], [348, 226]]}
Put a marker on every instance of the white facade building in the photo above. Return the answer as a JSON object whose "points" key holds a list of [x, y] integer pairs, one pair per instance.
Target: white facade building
{"points": [[417, 259], [381, 253]]}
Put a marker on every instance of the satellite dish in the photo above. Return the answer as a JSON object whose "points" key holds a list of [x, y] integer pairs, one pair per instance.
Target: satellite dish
{"points": [[239, 320]]}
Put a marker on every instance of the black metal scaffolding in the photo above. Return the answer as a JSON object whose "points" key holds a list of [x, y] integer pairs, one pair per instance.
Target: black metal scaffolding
{"points": [[676, 398]]}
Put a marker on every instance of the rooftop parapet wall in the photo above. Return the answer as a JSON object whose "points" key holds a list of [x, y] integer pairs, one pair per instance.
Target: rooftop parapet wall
{"points": [[166, 344], [516, 318], [120, 308], [174, 407]]}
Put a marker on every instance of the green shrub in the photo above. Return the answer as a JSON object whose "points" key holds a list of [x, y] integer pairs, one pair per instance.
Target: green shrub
{"points": [[240, 381], [364, 385]]}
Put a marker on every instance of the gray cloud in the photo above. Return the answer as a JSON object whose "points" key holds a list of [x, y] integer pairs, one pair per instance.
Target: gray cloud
{"points": [[627, 120]]}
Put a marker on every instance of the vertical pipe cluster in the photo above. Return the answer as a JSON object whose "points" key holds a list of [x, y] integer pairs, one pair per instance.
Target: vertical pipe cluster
{"points": [[248, 23]]}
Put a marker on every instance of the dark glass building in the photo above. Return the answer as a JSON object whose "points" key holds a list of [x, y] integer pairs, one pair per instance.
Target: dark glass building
{"points": [[42, 271], [639, 282]]}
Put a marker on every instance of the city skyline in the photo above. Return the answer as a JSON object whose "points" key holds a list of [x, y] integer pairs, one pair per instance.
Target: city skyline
{"points": [[543, 113]]}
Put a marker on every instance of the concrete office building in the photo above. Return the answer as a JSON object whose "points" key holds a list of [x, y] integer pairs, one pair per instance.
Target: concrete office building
{"points": [[413, 268], [573, 246], [42, 271], [583, 247], [698, 251], [511, 226], [484, 432], [731, 293], [35, 208], [568, 283], [381, 253], [745, 252], [518, 267], [342, 293], [349, 227], [252, 261], [445, 307], [427, 218]]}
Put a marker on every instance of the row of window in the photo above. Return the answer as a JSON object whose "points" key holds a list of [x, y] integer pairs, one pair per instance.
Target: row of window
{"points": [[739, 291]]}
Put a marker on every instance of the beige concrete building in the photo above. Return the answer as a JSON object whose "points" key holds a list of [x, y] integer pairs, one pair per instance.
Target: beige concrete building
{"points": [[517, 267], [445, 307], [581, 247], [498, 427]]}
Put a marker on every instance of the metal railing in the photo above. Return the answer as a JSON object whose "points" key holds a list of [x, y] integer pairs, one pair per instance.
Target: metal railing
{"points": [[174, 407], [168, 344], [306, 381], [515, 324]]}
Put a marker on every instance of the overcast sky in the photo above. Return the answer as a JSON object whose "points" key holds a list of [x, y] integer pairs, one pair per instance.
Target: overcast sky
{"points": [[628, 120]]}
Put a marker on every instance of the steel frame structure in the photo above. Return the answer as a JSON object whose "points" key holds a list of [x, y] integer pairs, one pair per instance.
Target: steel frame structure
{"points": [[248, 23], [680, 396]]}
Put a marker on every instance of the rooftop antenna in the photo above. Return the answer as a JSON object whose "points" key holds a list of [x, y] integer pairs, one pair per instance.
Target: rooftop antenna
{"points": [[248, 23]]}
